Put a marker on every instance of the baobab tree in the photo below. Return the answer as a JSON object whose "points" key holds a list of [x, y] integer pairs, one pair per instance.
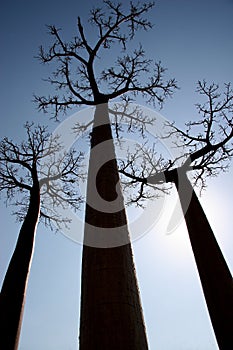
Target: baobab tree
{"points": [[206, 151], [37, 177], [111, 315]]}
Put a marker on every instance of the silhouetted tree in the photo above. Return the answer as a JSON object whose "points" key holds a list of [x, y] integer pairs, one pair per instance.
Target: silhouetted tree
{"points": [[111, 316], [206, 152], [37, 177]]}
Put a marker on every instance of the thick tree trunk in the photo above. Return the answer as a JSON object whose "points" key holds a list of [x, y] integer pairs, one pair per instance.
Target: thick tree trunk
{"points": [[214, 274], [111, 313], [15, 282]]}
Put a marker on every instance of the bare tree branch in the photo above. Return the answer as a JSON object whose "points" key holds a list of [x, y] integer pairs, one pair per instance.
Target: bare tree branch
{"points": [[76, 75], [40, 157], [206, 144]]}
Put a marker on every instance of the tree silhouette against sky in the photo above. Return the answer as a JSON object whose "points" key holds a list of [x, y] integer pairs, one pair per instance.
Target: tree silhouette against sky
{"points": [[36, 177], [111, 315], [206, 151]]}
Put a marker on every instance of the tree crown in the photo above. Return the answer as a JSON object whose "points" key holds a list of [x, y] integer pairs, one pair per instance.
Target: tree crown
{"points": [[40, 160], [131, 74], [205, 145]]}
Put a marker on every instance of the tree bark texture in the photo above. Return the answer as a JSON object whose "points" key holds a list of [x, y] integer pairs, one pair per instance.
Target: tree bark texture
{"points": [[111, 313], [15, 282], [214, 274]]}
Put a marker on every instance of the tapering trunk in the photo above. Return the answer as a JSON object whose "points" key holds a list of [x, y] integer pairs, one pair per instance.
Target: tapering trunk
{"points": [[111, 313], [214, 274], [15, 282]]}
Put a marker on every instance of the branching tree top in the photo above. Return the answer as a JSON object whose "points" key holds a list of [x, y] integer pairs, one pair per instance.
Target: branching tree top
{"points": [[76, 78], [39, 159], [206, 146]]}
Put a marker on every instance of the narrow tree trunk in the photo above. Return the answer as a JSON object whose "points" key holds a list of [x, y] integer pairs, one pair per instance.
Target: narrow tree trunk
{"points": [[214, 274], [15, 282], [111, 313]]}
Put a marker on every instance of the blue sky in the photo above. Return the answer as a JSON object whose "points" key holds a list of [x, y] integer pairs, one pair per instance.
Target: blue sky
{"points": [[193, 39]]}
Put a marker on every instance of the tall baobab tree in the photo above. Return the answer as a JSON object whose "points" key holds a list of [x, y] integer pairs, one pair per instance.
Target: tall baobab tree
{"points": [[207, 150], [37, 177], [111, 315]]}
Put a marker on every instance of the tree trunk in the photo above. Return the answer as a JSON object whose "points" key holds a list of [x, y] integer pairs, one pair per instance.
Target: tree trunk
{"points": [[111, 313], [214, 274], [15, 282]]}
